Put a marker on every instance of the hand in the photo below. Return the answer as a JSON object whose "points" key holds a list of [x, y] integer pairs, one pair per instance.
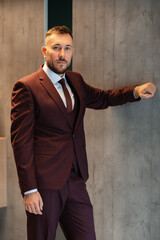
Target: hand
{"points": [[33, 203], [146, 90]]}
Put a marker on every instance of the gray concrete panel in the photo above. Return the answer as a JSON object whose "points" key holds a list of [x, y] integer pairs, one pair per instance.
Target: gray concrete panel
{"points": [[117, 43], [21, 37]]}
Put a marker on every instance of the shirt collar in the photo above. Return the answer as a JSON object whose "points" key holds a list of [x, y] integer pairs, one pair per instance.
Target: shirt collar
{"points": [[54, 77]]}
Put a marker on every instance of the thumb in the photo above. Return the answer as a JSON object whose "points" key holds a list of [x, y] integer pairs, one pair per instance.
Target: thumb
{"points": [[40, 203], [145, 95]]}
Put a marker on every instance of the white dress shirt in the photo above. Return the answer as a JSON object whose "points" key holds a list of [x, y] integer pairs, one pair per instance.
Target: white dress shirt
{"points": [[55, 78]]}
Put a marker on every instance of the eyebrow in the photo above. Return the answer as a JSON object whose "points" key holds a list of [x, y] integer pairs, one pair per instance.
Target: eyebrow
{"points": [[68, 45]]}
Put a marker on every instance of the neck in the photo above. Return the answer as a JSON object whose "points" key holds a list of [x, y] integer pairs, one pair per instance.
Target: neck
{"points": [[61, 75]]}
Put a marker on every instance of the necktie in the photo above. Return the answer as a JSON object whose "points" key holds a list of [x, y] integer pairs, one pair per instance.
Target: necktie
{"points": [[67, 95]]}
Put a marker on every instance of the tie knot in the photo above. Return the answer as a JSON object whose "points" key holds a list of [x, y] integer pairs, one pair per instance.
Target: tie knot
{"points": [[62, 81]]}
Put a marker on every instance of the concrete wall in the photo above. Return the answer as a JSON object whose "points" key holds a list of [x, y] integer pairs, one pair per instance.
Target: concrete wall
{"points": [[21, 37], [3, 173], [117, 43]]}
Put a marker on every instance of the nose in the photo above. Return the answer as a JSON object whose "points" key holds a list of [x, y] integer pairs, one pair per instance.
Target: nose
{"points": [[61, 53]]}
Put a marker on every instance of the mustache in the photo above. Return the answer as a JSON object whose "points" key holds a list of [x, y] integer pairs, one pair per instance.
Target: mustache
{"points": [[62, 59]]}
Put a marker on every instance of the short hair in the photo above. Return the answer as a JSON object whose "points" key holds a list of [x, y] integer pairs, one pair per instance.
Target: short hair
{"points": [[59, 30]]}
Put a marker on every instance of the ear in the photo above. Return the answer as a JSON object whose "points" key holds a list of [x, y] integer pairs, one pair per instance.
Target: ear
{"points": [[44, 50]]}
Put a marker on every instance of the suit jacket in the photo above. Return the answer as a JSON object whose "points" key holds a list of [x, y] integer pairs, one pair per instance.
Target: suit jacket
{"points": [[43, 141]]}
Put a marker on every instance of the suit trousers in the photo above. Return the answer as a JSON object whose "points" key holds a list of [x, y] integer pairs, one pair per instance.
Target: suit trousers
{"points": [[70, 206]]}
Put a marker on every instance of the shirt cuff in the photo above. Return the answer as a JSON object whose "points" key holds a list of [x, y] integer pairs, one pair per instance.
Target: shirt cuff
{"points": [[31, 191], [135, 96]]}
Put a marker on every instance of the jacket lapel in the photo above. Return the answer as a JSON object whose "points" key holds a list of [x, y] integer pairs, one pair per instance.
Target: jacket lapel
{"points": [[52, 92], [79, 92]]}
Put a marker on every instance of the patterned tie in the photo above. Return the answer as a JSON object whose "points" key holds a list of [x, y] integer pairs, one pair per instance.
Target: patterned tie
{"points": [[67, 95]]}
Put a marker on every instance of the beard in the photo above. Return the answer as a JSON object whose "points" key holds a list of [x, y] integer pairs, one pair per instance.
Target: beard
{"points": [[56, 69]]}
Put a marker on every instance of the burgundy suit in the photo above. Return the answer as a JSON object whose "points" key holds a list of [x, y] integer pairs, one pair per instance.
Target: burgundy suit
{"points": [[44, 143]]}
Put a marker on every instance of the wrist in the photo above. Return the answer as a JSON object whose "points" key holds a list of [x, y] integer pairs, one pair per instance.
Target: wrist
{"points": [[135, 93], [31, 191]]}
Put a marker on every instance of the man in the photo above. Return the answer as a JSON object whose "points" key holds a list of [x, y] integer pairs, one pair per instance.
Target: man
{"points": [[48, 140]]}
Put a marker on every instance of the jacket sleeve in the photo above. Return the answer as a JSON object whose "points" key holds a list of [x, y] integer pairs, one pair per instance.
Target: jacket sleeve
{"points": [[101, 99], [22, 135]]}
